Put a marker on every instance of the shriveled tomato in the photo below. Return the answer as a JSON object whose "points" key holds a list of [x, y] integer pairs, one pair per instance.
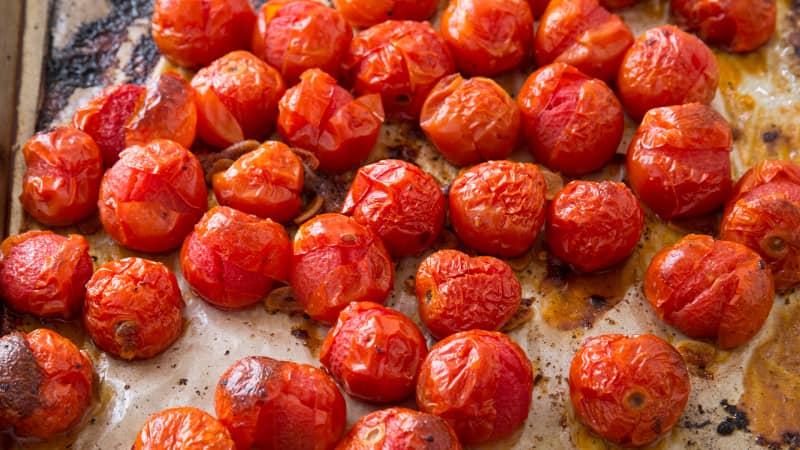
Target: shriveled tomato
{"points": [[400, 202], [738, 25], [267, 182], [679, 160], [471, 120], [497, 207], [630, 390], [366, 13], [666, 66], [400, 428], [336, 261], [401, 61], [183, 428], [320, 116], [62, 176], [573, 123], [479, 382], [279, 405], [168, 111]]}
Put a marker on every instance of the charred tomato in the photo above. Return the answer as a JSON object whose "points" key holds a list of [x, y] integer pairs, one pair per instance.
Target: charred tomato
{"points": [[738, 25], [400, 428], [366, 13], [183, 428]]}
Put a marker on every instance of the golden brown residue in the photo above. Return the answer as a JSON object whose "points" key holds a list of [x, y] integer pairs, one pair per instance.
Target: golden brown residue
{"points": [[311, 333], [698, 356]]}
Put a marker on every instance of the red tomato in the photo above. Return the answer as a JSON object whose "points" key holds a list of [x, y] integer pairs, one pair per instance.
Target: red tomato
{"points": [[279, 405], [336, 261], [679, 162], [400, 202], [471, 120], [168, 111], [366, 13], [573, 123], [664, 67], [497, 207], [479, 382], [630, 390], [400, 428], [374, 352], [266, 182], [320, 116], [193, 33], [738, 25], [62, 176], [538, 7], [184, 428]]}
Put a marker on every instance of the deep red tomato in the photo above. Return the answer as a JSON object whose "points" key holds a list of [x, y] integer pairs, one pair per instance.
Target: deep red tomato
{"points": [[336, 261], [538, 7], [497, 207], [666, 66], [400, 428], [479, 382], [738, 25], [679, 160], [168, 111], [573, 123], [62, 176], [366, 13], [280, 405], [183, 428], [630, 390], [471, 120], [400, 202], [319, 115]]}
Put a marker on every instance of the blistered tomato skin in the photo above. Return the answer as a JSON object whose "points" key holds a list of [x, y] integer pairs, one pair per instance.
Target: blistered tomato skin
{"points": [[679, 160], [400, 202], [167, 111], [738, 25], [183, 428], [630, 390], [400, 428], [366, 13]]}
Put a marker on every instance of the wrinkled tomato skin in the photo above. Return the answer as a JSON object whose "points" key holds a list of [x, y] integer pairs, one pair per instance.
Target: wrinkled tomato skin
{"points": [[666, 66], [184, 428], [400, 429], [594, 225], [398, 201], [471, 120], [266, 182], [630, 390], [320, 116], [479, 382], [336, 261], [280, 405], [62, 176], [374, 352], [573, 123], [679, 160], [497, 207], [366, 13], [168, 111], [738, 25]]}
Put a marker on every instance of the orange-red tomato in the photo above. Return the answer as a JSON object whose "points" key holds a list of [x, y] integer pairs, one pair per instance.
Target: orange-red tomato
{"points": [[497, 207], [471, 120], [366, 13], [400, 202], [666, 66], [183, 428], [679, 160], [374, 352], [573, 123], [320, 116], [479, 382], [400, 429], [401, 61], [279, 405], [630, 390], [336, 261], [168, 111], [193, 33], [266, 182], [237, 98], [62, 176], [738, 25]]}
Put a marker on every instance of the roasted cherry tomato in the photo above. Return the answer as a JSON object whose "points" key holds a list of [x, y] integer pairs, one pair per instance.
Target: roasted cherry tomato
{"points": [[666, 66], [479, 382], [630, 390], [320, 116], [573, 123], [133, 308], [193, 33], [400, 202], [738, 25], [237, 98], [764, 214], [366, 13], [44, 274], [401, 61], [400, 428], [336, 261], [267, 182], [497, 207], [471, 120], [594, 225], [374, 352], [679, 160], [280, 405], [168, 111], [183, 428], [62, 176], [152, 197], [47, 383]]}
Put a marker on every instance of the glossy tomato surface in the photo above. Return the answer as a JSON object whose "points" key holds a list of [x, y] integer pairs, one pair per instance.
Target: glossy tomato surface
{"points": [[167, 111], [738, 25], [400, 428], [183, 428], [366, 13]]}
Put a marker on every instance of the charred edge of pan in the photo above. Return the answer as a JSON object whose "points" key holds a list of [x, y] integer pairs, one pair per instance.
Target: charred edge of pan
{"points": [[143, 60], [20, 377]]}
